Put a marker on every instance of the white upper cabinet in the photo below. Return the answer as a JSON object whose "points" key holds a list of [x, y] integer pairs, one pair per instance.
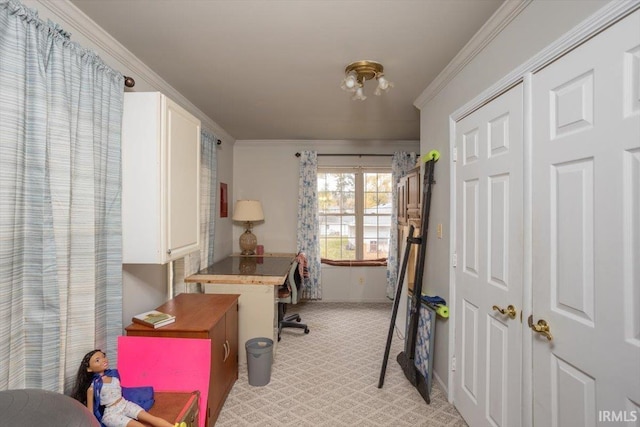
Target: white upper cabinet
{"points": [[160, 180]]}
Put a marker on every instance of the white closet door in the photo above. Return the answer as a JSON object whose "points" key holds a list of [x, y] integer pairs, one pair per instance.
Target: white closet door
{"points": [[586, 232], [489, 246]]}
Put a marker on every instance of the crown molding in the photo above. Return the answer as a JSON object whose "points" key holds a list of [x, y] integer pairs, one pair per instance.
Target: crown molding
{"points": [[489, 31], [599, 21], [302, 144], [101, 40]]}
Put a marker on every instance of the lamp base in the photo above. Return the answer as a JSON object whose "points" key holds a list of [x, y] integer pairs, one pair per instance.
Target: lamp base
{"points": [[248, 243]]}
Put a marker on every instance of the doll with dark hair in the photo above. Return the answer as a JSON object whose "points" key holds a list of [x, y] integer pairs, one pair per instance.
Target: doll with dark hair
{"points": [[98, 387]]}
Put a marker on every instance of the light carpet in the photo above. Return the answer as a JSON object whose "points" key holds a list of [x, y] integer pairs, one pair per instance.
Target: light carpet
{"points": [[330, 376]]}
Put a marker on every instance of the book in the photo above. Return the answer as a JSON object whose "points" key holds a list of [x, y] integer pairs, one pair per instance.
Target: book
{"points": [[154, 319]]}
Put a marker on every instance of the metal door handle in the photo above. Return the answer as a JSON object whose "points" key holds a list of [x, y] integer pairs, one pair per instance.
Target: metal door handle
{"points": [[542, 327], [509, 311]]}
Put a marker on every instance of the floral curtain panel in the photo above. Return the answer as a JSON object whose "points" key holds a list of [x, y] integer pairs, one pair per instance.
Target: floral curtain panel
{"points": [[401, 164], [309, 223], [60, 209]]}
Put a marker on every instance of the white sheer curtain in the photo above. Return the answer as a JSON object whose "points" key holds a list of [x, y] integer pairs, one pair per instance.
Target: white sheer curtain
{"points": [[208, 211], [60, 212]]}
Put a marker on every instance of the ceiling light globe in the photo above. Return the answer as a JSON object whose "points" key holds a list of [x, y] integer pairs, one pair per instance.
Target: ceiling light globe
{"points": [[349, 83], [359, 95], [383, 85]]}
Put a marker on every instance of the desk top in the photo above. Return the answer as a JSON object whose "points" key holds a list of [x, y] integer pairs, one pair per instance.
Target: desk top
{"points": [[242, 270]]}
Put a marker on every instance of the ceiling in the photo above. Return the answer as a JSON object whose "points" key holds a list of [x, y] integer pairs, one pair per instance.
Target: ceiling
{"points": [[271, 69]]}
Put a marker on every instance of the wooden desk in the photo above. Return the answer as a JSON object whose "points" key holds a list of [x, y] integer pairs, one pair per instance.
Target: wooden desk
{"points": [[256, 279], [213, 317]]}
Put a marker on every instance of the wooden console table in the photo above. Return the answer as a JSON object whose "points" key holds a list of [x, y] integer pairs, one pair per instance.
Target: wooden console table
{"points": [[213, 317], [256, 279]]}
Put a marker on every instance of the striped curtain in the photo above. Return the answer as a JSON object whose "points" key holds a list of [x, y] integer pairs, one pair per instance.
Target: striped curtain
{"points": [[193, 262], [60, 216], [309, 223], [401, 164]]}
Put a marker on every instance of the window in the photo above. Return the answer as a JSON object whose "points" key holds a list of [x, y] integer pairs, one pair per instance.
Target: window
{"points": [[355, 213]]}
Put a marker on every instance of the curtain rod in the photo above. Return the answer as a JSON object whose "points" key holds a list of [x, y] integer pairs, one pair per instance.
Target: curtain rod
{"points": [[129, 82], [352, 155]]}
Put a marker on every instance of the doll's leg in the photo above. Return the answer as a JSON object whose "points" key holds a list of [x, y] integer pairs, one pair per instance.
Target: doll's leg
{"points": [[135, 423], [155, 421]]}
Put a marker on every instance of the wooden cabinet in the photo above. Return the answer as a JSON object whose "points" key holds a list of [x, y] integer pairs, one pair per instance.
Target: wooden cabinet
{"points": [[408, 203], [409, 213], [205, 316], [160, 180], [413, 196], [401, 204]]}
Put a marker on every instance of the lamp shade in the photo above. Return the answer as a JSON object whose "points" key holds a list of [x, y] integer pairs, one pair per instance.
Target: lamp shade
{"points": [[248, 210]]}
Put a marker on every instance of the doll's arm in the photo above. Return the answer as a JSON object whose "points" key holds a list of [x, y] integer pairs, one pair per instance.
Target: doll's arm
{"points": [[90, 398]]}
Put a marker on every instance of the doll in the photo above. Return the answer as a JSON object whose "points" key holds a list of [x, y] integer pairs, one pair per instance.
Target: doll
{"points": [[98, 387]]}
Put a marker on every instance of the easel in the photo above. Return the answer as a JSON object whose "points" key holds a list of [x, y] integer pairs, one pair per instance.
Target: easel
{"points": [[406, 359]]}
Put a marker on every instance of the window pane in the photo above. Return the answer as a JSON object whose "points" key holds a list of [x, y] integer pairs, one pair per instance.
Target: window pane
{"points": [[376, 236], [377, 215], [346, 181], [348, 202]]}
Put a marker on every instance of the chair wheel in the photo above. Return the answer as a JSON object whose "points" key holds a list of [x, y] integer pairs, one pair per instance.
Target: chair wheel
{"points": [[298, 319], [279, 338], [306, 331]]}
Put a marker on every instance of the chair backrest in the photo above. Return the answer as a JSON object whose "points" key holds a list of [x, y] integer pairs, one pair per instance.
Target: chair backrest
{"points": [[295, 281]]}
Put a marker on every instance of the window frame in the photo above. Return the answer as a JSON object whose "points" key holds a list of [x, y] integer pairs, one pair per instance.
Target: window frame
{"points": [[359, 206]]}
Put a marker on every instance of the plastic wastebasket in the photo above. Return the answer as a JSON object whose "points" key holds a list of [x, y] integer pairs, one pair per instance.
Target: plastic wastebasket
{"points": [[259, 360]]}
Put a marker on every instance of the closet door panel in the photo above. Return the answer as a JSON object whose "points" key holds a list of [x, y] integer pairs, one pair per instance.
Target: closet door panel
{"points": [[489, 224], [585, 198]]}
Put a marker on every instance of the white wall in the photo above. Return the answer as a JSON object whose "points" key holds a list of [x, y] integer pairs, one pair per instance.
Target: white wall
{"points": [[268, 171], [538, 25]]}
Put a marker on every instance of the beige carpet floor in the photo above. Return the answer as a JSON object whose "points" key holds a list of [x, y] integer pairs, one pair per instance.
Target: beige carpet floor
{"points": [[330, 377]]}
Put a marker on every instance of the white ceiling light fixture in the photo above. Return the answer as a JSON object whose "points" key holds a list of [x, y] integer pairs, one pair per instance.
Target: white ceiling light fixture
{"points": [[358, 72]]}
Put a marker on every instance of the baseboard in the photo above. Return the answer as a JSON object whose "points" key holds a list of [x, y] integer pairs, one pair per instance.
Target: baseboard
{"points": [[363, 301], [445, 389]]}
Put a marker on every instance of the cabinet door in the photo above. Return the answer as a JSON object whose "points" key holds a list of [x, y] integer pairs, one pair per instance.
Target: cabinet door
{"points": [[217, 384], [231, 333], [413, 195], [183, 183], [402, 201], [224, 361], [160, 180]]}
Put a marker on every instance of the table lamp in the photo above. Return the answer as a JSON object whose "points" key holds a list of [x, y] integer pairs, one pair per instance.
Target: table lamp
{"points": [[248, 211]]}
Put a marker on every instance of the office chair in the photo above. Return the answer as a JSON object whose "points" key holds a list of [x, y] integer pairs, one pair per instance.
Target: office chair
{"points": [[289, 294]]}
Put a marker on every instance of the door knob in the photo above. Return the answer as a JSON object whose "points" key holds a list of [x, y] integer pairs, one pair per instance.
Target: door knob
{"points": [[509, 311], [542, 327]]}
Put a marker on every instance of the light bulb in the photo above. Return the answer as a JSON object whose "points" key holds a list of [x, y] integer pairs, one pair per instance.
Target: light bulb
{"points": [[359, 95], [383, 85], [350, 82]]}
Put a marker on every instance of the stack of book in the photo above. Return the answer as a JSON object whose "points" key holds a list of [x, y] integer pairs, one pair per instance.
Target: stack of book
{"points": [[154, 319]]}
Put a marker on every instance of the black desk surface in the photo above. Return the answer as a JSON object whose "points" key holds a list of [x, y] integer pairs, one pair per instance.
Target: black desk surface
{"points": [[247, 270]]}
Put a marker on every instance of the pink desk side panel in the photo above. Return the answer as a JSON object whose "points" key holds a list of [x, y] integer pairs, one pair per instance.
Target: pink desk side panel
{"points": [[176, 364]]}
